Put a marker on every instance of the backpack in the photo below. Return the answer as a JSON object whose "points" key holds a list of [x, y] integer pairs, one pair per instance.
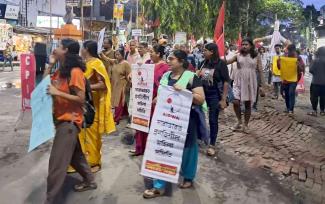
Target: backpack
{"points": [[88, 107]]}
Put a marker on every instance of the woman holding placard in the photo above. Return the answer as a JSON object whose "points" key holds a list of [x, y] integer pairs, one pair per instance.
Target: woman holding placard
{"points": [[156, 55], [182, 79]]}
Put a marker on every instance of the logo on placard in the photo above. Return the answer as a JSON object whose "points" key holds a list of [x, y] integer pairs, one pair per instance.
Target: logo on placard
{"points": [[175, 103], [142, 75]]}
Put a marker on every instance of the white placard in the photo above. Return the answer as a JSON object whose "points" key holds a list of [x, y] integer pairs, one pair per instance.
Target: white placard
{"points": [[142, 90], [136, 32], [167, 135], [101, 40], [180, 38], [12, 12]]}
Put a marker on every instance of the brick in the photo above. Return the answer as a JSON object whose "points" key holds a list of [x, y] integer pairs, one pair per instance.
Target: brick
{"points": [[302, 174], [318, 176], [295, 169], [323, 175], [310, 172], [286, 170], [317, 188], [309, 183]]}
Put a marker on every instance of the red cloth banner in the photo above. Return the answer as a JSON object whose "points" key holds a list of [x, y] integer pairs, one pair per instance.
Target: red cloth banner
{"points": [[28, 75], [218, 31], [221, 45]]}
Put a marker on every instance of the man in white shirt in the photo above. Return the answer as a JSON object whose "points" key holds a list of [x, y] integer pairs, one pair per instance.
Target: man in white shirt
{"points": [[276, 80], [132, 56], [144, 56]]}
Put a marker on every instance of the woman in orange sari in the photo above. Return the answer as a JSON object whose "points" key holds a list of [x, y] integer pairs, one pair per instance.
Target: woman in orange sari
{"points": [[90, 138]]}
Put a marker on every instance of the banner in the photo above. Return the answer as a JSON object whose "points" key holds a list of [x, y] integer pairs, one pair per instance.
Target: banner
{"points": [[118, 11], [289, 68], [275, 70], [142, 90], [28, 74], [163, 156], [42, 115]]}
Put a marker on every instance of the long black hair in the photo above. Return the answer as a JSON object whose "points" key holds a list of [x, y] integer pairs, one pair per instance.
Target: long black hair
{"points": [[252, 51], [159, 49], [92, 47], [212, 47], [72, 58], [181, 56], [121, 51]]}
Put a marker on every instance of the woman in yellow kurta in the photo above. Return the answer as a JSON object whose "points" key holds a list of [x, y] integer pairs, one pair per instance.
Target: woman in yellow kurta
{"points": [[90, 138]]}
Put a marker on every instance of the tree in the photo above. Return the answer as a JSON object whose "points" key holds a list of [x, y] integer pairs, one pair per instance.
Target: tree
{"points": [[198, 17]]}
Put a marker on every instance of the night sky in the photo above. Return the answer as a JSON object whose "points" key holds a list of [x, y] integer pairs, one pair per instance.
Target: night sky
{"points": [[317, 3]]}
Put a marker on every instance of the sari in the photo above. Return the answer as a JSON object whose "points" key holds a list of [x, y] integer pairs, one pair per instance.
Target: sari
{"points": [[90, 138]]}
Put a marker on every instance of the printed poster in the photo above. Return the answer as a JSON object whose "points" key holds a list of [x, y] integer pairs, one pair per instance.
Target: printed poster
{"points": [[180, 38], [289, 69], [142, 90], [42, 115], [275, 69], [28, 75], [118, 11], [168, 130]]}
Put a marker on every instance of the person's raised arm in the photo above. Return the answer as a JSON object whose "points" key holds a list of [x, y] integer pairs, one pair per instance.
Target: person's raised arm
{"points": [[107, 59], [231, 60]]}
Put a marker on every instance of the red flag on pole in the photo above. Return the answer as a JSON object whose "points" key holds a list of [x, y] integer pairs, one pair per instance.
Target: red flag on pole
{"points": [[218, 31], [221, 45], [219, 36]]}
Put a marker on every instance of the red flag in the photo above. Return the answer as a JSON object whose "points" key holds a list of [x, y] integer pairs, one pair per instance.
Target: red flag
{"points": [[221, 45], [239, 41], [218, 30]]}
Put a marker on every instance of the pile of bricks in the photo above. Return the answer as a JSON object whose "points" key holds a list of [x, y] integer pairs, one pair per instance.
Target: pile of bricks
{"points": [[279, 143]]}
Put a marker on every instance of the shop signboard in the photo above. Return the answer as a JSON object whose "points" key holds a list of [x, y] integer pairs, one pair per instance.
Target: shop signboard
{"points": [[12, 12], [77, 3], [2, 11], [118, 11], [28, 74], [136, 32]]}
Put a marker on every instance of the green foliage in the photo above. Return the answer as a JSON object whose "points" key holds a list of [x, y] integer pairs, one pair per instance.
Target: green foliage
{"points": [[198, 17]]}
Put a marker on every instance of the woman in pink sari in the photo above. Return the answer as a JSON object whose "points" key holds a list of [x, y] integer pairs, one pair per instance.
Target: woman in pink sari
{"points": [[156, 54]]}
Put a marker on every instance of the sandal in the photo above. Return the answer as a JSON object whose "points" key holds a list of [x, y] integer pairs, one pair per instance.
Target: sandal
{"points": [[238, 127], [322, 113], [211, 151], [152, 193], [85, 186], [186, 185], [95, 169], [313, 113]]}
